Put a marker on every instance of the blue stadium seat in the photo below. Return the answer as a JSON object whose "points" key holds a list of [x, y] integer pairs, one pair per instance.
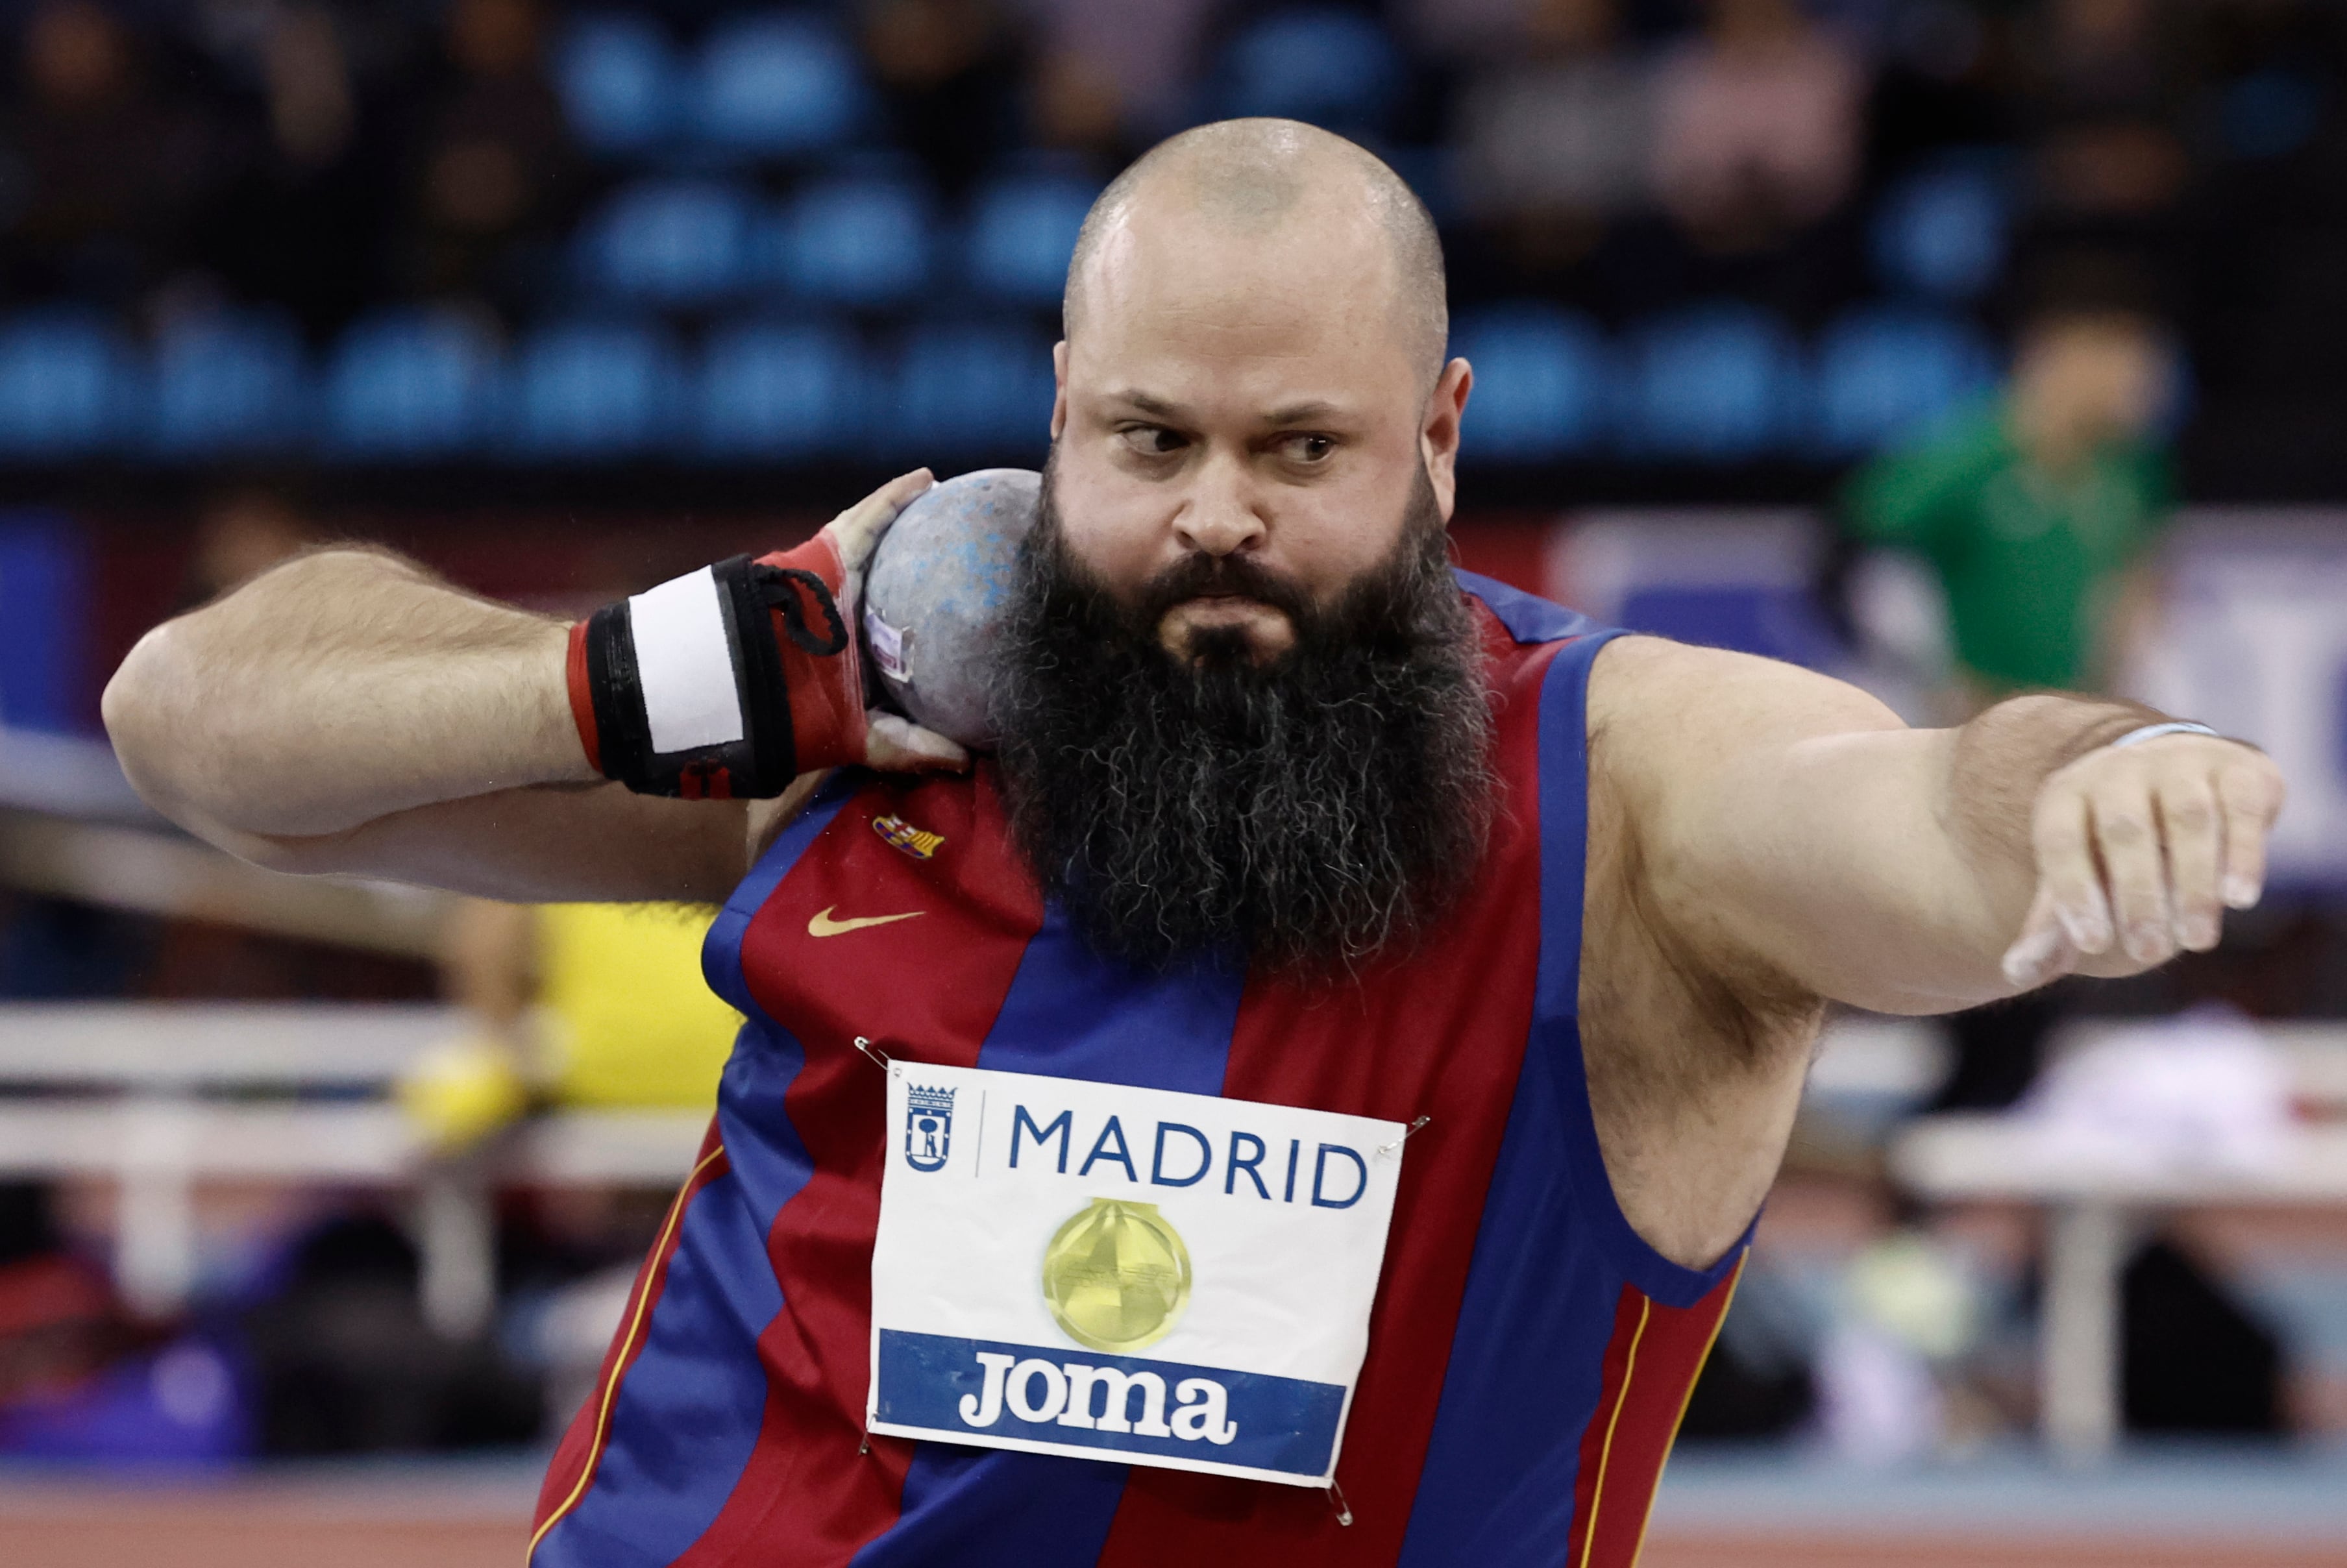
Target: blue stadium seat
{"points": [[2273, 111], [1022, 230], [1716, 382], [777, 85], [1327, 66], [671, 242], [1881, 371], [1543, 382], [618, 78], [1942, 232], [855, 240], [967, 389], [775, 391], [66, 387], [411, 386], [588, 390], [235, 381]]}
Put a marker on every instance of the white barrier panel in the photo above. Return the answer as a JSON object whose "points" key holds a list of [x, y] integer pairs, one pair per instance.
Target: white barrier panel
{"points": [[2254, 641]]}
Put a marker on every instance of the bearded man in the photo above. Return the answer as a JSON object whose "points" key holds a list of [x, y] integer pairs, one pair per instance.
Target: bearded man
{"points": [[1325, 1065]]}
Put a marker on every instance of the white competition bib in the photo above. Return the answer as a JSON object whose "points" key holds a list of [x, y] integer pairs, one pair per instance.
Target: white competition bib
{"points": [[1124, 1274]]}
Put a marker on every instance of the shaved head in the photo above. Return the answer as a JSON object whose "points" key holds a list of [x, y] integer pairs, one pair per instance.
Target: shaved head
{"points": [[1264, 183]]}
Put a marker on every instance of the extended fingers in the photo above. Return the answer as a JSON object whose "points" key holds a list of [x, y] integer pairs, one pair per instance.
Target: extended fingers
{"points": [[2135, 872], [2069, 883], [2143, 850], [2192, 833], [2045, 950], [2249, 795]]}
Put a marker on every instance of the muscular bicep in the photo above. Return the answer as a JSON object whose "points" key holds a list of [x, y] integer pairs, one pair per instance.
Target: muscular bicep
{"points": [[597, 843], [1793, 827]]}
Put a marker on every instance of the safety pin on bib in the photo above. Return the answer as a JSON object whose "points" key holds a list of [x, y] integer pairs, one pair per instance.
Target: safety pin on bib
{"points": [[877, 1057], [1387, 1149], [1336, 1493]]}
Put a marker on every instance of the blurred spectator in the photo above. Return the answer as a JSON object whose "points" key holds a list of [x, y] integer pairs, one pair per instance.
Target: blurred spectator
{"points": [[1553, 141], [341, 1359], [241, 532], [595, 1004], [307, 215], [102, 170], [496, 168], [953, 73], [1462, 30], [2107, 147], [585, 1004], [2038, 512], [1938, 85], [1112, 77], [1756, 125], [58, 1320]]}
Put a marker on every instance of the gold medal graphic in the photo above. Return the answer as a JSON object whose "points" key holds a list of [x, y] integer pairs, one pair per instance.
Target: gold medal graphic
{"points": [[1117, 1275]]}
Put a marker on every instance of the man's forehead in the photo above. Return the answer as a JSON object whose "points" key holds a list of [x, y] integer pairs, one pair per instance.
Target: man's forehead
{"points": [[1276, 323], [1323, 255], [1326, 266]]}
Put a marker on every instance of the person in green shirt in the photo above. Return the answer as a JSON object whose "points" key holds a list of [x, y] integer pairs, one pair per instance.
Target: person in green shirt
{"points": [[2038, 511]]}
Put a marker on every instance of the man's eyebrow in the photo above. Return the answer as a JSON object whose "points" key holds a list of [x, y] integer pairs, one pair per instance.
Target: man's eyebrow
{"points": [[1311, 411], [1155, 407]]}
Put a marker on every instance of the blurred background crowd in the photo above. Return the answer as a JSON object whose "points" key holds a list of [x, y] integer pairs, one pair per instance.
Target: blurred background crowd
{"points": [[1748, 231], [1955, 347]]}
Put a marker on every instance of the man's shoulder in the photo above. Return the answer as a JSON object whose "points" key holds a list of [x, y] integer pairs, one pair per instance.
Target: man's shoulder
{"points": [[1528, 619]]}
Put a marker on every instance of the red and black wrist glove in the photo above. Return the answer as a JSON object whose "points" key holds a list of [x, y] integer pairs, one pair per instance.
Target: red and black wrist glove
{"points": [[727, 683]]}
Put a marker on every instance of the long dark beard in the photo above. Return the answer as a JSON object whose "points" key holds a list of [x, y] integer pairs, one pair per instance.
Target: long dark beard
{"points": [[1304, 814]]}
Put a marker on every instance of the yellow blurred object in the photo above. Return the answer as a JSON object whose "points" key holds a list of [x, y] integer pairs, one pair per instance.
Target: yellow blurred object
{"points": [[630, 1021], [461, 1091]]}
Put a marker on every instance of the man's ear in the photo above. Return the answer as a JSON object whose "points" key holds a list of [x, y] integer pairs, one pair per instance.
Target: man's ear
{"points": [[1437, 438], [1059, 387]]}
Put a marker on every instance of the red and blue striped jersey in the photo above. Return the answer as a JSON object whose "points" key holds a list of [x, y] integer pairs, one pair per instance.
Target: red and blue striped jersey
{"points": [[1529, 1357]]}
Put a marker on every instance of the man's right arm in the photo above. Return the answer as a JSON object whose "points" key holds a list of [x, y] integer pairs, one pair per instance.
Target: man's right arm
{"points": [[349, 713]]}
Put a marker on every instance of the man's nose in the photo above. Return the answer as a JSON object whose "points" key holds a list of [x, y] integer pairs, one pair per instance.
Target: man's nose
{"points": [[1221, 518]]}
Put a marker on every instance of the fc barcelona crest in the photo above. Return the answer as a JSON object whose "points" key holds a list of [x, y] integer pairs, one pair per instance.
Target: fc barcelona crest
{"points": [[928, 1126]]}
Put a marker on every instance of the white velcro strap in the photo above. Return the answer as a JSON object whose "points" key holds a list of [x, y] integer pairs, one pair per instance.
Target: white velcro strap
{"points": [[685, 664]]}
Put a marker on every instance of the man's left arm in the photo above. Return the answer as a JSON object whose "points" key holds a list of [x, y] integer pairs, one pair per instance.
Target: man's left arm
{"points": [[1791, 828]]}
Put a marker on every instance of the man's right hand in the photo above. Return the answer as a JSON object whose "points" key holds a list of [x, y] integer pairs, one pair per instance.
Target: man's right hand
{"points": [[348, 713], [890, 741], [730, 681]]}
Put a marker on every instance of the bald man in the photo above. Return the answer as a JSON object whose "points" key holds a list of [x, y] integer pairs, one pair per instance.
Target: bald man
{"points": [[1304, 1099]]}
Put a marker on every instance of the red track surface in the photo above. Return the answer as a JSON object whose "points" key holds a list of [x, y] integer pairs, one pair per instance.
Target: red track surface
{"points": [[242, 1528], [1722, 1551]]}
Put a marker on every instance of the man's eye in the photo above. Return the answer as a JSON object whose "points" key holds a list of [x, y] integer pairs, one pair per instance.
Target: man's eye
{"points": [[1152, 440], [1310, 448]]}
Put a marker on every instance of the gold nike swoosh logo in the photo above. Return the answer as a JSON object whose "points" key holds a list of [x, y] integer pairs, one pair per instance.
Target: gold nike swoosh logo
{"points": [[823, 925]]}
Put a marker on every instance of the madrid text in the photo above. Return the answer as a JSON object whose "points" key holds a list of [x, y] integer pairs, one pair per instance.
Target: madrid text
{"points": [[1176, 1154]]}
